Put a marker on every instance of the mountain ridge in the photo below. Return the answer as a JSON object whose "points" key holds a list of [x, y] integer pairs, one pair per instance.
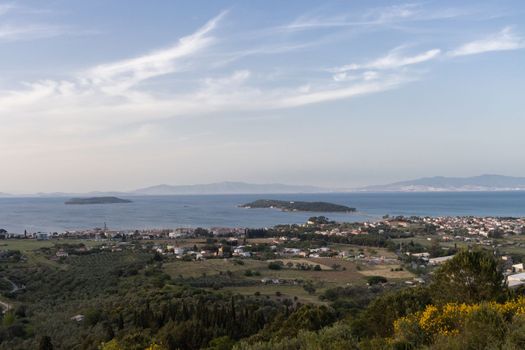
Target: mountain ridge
{"points": [[227, 187], [487, 182]]}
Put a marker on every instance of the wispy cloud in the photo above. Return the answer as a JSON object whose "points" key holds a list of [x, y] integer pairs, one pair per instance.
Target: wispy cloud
{"points": [[10, 32], [349, 91], [394, 59], [393, 13], [380, 16], [122, 75], [110, 97], [22, 23], [504, 40]]}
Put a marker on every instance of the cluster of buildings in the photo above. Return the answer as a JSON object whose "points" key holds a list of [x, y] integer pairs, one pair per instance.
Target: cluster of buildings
{"points": [[477, 226], [105, 233]]}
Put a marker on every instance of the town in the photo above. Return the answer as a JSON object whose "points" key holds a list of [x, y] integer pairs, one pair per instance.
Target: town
{"points": [[396, 249]]}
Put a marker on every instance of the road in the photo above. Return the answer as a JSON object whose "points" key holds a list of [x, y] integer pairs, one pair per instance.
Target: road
{"points": [[14, 288], [5, 306]]}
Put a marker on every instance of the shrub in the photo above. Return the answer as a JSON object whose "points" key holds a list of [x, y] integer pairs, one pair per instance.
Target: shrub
{"points": [[275, 265], [376, 280]]}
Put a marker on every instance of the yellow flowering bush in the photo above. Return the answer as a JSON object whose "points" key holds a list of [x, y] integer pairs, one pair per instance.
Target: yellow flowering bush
{"points": [[450, 319]]}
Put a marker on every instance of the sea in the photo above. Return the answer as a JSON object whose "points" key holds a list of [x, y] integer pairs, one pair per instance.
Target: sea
{"points": [[44, 214]]}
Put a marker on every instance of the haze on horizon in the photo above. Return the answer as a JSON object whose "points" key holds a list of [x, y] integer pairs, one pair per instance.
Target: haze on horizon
{"points": [[98, 95]]}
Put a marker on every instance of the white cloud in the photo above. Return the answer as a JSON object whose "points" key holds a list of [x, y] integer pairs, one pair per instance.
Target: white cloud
{"points": [[393, 13], [378, 16], [504, 40], [392, 60], [119, 76], [365, 76], [108, 105], [387, 15], [354, 90], [10, 32]]}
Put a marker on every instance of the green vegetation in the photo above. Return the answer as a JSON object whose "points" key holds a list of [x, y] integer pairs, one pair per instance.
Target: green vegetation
{"points": [[97, 200], [299, 206], [71, 294]]}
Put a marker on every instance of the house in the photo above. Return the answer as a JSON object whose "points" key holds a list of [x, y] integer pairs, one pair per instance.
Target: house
{"points": [[516, 280], [77, 318], [440, 260], [517, 267], [61, 253], [41, 236], [178, 251]]}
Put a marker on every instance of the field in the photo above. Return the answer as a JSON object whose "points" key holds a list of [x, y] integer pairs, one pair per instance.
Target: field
{"points": [[25, 245], [345, 273], [211, 267], [29, 248]]}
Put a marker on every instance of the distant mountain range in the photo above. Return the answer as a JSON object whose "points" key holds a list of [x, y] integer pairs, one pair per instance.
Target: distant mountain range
{"points": [[228, 188], [202, 189], [427, 184], [457, 184]]}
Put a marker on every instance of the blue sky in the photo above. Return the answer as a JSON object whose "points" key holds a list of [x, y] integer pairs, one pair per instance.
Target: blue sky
{"points": [[123, 94]]}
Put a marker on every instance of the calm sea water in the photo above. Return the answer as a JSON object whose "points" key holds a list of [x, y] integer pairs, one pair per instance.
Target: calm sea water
{"points": [[51, 214]]}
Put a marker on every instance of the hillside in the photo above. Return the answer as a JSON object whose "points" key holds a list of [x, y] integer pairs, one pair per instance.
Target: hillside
{"points": [[97, 200], [441, 183], [227, 188], [299, 206]]}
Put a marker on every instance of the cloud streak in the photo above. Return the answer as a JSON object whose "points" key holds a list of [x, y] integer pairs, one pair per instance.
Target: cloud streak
{"points": [[392, 60], [10, 32], [381, 16], [119, 98], [504, 40], [119, 76]]}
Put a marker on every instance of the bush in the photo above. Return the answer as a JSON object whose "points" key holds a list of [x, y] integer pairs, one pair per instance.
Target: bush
{"points": [[275, 265], [376, 280]]}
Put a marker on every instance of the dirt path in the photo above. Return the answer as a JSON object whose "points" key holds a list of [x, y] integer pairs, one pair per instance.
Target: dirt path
{"points": [[5, 306], [14, 288]]}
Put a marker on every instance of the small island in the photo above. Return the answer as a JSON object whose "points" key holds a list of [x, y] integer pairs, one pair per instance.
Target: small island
{"points": [[324, 207], [97, 200]]}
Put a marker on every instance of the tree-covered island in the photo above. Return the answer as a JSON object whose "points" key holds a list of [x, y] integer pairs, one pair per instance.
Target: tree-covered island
{"points": [[299, 206], [97, 200]]}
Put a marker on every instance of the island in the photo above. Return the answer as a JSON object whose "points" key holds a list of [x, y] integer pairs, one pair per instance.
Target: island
{"points": [[324, 207], [97, 200]]}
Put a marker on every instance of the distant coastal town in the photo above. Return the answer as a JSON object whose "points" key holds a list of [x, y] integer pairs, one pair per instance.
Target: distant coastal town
{"points": [[418, 243]]}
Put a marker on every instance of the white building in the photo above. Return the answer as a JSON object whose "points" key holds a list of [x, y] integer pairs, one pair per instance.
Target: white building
{"points": [[516, 280]]}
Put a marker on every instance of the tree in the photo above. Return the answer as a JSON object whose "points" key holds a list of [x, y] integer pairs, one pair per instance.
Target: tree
{"points": [[309, 287], [469, 277], [45, 343], [376, 280], [221, 343], [435, 249], [378, 318], [275, 265]]}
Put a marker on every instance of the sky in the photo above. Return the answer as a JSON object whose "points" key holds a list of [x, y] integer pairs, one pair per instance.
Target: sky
{"points": [[123, 94]]}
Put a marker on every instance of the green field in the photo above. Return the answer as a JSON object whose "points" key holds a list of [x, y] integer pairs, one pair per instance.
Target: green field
{"points": [[347, 273], [32, 244], [29, 248]]}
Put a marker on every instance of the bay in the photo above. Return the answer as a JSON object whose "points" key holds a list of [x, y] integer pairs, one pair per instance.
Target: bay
{"points": [[52, 215]]}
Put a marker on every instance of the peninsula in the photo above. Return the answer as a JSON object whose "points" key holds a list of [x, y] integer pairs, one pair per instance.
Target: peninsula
{"points": [[97, 200], [324, 207]]}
